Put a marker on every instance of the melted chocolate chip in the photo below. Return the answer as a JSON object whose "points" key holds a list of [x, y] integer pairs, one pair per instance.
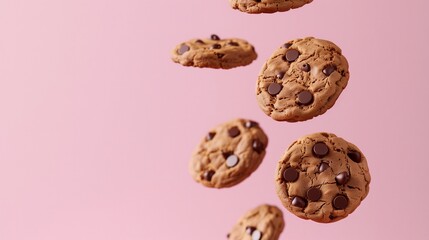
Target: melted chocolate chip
{"points": [[250, 230], [355, 156], [329, 69], [233, 132], [287, 45], [340, 202], [214, 37], [256, 235], [199, 41], [232, 160], [235, 44], [210, 136], [320, 149], [305, 67], [208, 175], [314, 194], [258, 146], [274, 88], [291, 55], [280, 75], [290, 174], [227, 235], [342, 178], [216, 46], [299, 202], [250, 124], [323, 166], [184, 48], [305, 98]]}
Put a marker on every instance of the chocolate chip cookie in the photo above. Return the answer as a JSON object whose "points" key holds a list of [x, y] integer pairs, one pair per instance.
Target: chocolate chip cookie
{"points": [[267, 6], [214, 53], [322, 177], [264, 222], [302, 79], [228, 154]]}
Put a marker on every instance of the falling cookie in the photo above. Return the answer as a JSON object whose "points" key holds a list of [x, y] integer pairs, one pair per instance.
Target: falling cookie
{"points": [[302, 79], [228, 154], [214, 53], [267, 6], [264, 222], [322, 177]]}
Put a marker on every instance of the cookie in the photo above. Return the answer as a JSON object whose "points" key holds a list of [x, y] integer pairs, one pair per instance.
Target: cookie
{"points": [[267, 6], [264, 222], [302, 79], [214, 53], [322, 177], [228, 154]]}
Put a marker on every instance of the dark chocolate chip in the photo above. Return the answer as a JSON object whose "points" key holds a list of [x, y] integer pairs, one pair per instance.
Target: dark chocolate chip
{"points": [[199, 41], [257, 0], [342, 178], [305, 98], [250, 230], [184, 48], [355, 156], [274, 88], [214, 37], [227, 235], [250, 124], [233, 132], [216, 46], [305, 67], [291, 55], [235, 44], [290, 174], [280, 75], [258, 146], [340, 202], [299, 202], [232, 160], [323, 166], [208, 175], [210, 136], [329, 69], [314, 194], [320, 149], [287, 45], [256, 235]]}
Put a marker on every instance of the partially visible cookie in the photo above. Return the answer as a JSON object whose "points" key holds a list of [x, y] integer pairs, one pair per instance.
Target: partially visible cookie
{"points": [[228, 154], [322, 177], [264, 222], [302, 79], [214, 53], [267, 6]]}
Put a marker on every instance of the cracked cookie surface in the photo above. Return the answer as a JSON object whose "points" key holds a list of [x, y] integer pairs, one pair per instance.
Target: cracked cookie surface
{"points": [[228, 154], [214, 53], [264, 222], [302, 79], [322, 177], [267, 6]]}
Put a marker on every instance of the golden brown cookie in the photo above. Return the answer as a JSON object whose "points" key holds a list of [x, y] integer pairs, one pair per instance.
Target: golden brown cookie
{"points": [[267, 6], [302, 79], [228, 154], [322, 177]]}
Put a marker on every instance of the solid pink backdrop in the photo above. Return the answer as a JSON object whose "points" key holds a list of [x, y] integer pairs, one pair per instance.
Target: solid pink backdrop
{"points": [[97, 123]]}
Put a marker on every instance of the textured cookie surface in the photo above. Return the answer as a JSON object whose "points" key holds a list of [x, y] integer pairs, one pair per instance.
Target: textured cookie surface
{"points": [[228, 154], [214, 53], [264, 222], [322, 177], [267, 6], [302, 79]]}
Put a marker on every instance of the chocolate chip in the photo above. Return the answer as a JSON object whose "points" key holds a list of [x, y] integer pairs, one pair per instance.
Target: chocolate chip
{"points": [[235, 44], [299, 202], [233, 132], [287, 45], [250, 230], [184, 48], [199, 41], [320, 149], [290, 174], [208, 175], [329, 69], [355, 156], [305, 67], [214, 37], [314, 194], [256, 235], [210, 136], [231, 160], [250, 124], [280, 75], [274, 88], [227, 235], [305, 98], [258, 146], [323, 166], [342, 178], [291, 55], [216, 46], [220, 55], [340, 202]]}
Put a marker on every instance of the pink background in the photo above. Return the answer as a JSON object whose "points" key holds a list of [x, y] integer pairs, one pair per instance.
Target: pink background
{"points": [[97, 124]]}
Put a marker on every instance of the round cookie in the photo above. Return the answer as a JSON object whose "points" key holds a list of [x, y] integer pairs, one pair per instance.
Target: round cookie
{"points": [[302, 79], [228, 154], [264, 222], [322, 177], [214, 53], [267, 6]]}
